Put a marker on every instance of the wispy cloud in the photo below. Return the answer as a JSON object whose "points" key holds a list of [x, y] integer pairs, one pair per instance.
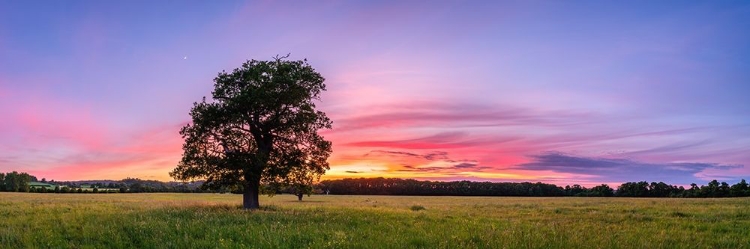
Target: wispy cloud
{"points": [[431, 162], [445, 140], [452, 169], [435, 155], [620, 170], [459, 115]]}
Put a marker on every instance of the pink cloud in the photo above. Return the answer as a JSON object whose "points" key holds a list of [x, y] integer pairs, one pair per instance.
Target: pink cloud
{"points": [[442, 115], [43, 118], [499, 140], [446, 140], [147, 154], [67, 140]]}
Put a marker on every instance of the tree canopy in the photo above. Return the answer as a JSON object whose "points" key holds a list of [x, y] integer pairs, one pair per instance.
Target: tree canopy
{"points": [[261, 126]]}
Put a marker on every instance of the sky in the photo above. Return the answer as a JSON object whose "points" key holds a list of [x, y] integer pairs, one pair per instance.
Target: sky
{"points": [[561, 92]]}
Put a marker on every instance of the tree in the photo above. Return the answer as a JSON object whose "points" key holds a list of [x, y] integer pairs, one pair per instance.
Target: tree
{"points": [[633, 189], [11, 181], [23, 181], [739, 189], [17, 182], [602, 190], [301, 189], [723, 189], [260, 126], [712, 190], [576, 190]]}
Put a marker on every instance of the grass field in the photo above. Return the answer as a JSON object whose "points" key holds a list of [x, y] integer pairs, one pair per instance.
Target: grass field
{"points": [[31, 220]]}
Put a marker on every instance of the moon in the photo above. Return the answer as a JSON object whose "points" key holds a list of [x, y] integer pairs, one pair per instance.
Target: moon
{"points": [[184, 58]]}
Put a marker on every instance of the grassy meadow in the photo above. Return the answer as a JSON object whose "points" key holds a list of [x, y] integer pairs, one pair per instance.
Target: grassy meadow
{"points": [[34, 220]]}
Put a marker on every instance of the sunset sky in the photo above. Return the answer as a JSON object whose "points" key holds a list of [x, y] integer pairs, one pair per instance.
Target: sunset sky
{"points": [[561, 92]]}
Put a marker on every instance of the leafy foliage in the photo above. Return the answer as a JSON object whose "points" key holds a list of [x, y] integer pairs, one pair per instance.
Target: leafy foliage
{"points": [[260, 126], [16, 182], [394, 186]]}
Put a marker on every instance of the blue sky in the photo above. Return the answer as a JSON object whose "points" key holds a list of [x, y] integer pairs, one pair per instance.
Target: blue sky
{"points": [[562, 92]]}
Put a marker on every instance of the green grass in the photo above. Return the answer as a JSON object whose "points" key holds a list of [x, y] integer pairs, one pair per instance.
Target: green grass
{"points": [[31, 220]]}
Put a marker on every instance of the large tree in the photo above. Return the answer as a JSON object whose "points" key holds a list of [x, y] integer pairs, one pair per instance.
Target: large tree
{"points": [[261, 126]]}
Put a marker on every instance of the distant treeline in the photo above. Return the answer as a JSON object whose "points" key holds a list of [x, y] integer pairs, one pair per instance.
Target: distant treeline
{"points": [[23, 182], [395, 186]]}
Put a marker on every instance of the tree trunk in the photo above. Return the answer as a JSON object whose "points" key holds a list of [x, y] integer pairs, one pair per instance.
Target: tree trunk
{"points": [[299, 197], [250, 196]]}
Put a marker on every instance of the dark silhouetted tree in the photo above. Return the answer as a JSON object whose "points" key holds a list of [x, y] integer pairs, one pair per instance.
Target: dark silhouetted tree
{"points": [[723, 189], [634, 189], [260, 127], [576, 190], [712, 190], [17, 182], [739, 189], [301, 189], [602, 190]]}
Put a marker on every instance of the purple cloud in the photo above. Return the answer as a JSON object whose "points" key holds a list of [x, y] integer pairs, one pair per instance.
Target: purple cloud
{"points": [[621, 170]]}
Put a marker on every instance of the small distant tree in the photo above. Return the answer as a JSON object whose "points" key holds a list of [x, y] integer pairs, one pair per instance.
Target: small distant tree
{"points": [[44, 180], [96, 190], [301, 182], [261, 127], [300, 190]]}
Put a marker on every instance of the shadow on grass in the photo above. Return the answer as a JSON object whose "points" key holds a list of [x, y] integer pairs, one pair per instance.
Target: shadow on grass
{"points": [[223, 207]]}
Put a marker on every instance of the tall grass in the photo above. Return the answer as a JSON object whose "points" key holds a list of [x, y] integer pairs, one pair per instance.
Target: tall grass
{"points": [[217, 221]]}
